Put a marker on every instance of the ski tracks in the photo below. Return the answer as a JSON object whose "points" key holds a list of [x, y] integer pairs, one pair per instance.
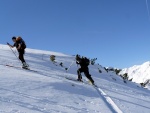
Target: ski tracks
{"points": [[108, 101]]}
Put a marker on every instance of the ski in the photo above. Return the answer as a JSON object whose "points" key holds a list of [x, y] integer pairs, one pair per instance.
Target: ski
{"points": [[73, 79], [28, 69], [84, 82], [20, 68]]}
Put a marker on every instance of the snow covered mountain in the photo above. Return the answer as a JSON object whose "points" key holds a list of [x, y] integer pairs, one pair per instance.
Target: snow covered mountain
{"points": [[48, 91], [138, 73]]}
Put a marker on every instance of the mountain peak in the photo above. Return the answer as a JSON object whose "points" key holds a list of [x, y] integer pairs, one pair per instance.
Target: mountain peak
{"points": [[138, 73], [146, 64]]}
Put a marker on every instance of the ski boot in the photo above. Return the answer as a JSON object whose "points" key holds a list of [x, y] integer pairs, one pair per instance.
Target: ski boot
{"points": [[25, 65], [80, 80]]}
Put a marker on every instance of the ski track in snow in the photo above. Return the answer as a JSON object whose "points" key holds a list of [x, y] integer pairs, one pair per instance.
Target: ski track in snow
{"points": [[32, 107], [110, 104], [114, 108], [47, 90]]}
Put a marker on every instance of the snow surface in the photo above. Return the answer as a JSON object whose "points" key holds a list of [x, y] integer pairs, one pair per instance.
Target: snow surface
{"points": [[138, 73], [47, 90]]}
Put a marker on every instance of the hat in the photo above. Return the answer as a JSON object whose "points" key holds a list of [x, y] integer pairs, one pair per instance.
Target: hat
{"points": [[13, 37], [77, 57]]}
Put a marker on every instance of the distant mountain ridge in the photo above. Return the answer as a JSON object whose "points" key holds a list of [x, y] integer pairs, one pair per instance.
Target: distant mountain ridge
{"points": [[138, 73]]}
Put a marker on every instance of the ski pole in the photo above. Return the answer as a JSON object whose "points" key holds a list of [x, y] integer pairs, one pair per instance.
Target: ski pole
{"points": [[70, 66], [13, 52]]}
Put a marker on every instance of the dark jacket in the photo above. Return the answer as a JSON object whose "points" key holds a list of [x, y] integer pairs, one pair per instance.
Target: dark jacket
{"points": [[82, 63]]}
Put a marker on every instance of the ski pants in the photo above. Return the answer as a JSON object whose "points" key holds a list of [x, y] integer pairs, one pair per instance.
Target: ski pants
{"points": [[86, 73], [21, 55]]}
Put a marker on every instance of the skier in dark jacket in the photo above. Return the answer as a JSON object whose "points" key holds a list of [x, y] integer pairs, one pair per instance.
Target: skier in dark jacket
{"points": [[83, 68], [20, 46]]}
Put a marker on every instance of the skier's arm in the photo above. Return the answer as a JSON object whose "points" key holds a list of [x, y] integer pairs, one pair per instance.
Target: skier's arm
{"points": [[19, 47], [10, 45]]}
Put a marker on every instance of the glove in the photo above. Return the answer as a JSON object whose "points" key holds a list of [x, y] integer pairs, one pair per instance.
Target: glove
{"points": [[8, 43], [77, 62]]}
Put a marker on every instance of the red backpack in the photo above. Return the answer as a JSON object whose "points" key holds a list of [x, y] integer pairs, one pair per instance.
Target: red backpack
{"points": [[21, 41]]}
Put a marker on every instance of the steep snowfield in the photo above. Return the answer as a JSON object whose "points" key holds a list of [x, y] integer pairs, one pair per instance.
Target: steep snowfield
{"points": [[139, 73], [47, 90]]}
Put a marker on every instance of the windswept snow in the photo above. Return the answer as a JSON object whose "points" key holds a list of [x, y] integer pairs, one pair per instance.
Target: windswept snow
{"points": [[47, 90], [139, 73]]}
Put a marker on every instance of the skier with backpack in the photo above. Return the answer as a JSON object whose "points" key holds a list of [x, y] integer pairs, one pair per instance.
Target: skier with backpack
{"points": [[20, 46], [83, 62]]}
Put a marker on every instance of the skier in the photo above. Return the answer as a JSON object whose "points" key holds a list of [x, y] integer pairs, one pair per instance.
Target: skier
{"points": [[20, 46], [83, 62]]}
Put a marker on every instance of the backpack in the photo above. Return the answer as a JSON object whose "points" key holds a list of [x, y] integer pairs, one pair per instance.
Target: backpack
{"points": [[21, 41], [86, 61]]}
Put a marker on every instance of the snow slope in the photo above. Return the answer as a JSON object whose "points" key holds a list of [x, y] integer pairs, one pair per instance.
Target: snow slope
{"points": [[47, 90], [138, 73]]}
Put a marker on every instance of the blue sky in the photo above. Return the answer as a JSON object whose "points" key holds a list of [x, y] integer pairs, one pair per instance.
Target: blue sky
{"points": [[117, 32]]}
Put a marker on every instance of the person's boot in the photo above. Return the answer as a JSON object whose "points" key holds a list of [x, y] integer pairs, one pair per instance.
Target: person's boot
{"points": [[25, 65], [80, 80], [91, 81]]}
